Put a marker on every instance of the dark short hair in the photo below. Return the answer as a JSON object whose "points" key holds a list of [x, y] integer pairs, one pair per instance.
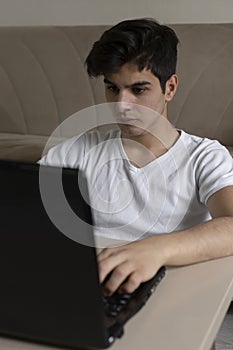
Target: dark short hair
{"points": [[143, 42]]}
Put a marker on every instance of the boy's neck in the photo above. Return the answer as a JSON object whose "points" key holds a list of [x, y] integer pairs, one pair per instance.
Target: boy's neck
{"points": [[143, 149]]}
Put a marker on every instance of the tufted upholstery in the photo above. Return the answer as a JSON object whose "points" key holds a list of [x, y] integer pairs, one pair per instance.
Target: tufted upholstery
{"points": [[43, 81], [204, 102]]}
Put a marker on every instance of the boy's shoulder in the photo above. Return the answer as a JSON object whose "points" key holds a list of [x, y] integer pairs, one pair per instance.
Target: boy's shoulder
{"points": [[70, 152], [201, 144]]}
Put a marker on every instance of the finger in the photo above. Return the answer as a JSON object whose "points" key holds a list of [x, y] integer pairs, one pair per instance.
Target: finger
{"points": [[111, 250], [117, 277], [132, 283], [105, 253], [108, 264]]}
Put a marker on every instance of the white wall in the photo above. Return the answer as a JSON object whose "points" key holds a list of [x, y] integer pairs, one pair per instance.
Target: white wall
{"points": [[69, 12]]}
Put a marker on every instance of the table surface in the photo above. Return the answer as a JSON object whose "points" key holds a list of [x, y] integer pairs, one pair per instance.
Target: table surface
{"points": [[185, 312]]}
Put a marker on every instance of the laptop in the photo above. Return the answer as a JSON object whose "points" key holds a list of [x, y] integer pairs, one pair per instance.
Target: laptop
{"points": [[50, 291]]}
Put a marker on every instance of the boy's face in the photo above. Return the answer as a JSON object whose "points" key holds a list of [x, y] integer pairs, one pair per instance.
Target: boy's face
{"points": [[130, 87]]}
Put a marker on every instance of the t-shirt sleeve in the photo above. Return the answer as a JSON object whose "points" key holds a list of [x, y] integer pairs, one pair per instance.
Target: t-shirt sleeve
{"points": [[214, 170], [68, 154]]}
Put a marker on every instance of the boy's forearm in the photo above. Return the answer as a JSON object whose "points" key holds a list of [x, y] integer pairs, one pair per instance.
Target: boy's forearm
{"points": [[138, 261], [210, 240]]}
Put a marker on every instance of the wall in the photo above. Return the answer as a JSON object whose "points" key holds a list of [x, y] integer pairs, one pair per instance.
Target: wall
{"points": [[69, 12]]}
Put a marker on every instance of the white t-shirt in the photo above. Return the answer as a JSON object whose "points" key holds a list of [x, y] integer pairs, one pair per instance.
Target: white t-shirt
{"points": [[168, 194]]}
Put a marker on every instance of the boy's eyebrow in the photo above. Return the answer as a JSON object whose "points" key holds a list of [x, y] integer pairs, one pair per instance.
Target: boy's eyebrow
{"points": [[137, 83]]}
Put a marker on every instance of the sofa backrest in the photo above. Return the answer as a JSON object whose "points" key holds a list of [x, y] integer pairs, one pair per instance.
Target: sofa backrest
{"points": [[43, 79]]}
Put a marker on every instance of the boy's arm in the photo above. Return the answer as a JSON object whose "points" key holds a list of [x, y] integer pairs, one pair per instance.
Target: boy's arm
{"points": [[140, 260]]}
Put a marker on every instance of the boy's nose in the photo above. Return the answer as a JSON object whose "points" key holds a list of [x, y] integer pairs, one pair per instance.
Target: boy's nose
{"points": [[124, 103], [125, 97], [122, 109]]}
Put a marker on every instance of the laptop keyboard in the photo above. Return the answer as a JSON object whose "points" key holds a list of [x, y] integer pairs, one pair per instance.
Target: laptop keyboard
{"points": [[115, 303], [118, 302]]}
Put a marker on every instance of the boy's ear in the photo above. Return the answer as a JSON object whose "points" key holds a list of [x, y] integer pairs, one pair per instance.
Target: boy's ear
{"points": [[171, 87]]}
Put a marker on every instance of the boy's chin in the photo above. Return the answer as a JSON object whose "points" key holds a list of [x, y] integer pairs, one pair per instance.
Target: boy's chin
{"points": [[131, 130]]}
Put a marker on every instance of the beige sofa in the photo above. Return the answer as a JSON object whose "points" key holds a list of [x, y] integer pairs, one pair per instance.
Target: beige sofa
{"points": [[43, 81]]}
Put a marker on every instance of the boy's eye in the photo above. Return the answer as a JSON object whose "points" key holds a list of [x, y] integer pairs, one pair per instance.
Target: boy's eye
{"points": [[113, 88], [138, 90]]}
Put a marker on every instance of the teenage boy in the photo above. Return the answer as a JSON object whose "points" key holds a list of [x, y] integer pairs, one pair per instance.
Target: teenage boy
{"points": [[137, 59]]}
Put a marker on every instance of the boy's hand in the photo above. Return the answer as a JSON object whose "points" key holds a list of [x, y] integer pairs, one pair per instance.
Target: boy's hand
{"points": [[130, 264]]}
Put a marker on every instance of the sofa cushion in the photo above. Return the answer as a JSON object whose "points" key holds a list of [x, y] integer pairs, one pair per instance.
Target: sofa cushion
{"points": [[28, 148]]}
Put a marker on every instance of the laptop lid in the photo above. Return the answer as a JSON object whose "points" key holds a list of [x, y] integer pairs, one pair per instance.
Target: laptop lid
{"points": [[50, 291]]}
